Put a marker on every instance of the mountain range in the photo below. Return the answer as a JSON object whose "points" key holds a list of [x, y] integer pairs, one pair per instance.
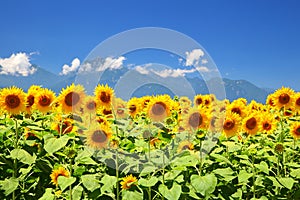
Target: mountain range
{"points": [[233, 88]]}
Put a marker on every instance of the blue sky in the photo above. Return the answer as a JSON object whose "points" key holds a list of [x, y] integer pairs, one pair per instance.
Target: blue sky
{"points": [[253, 40]]}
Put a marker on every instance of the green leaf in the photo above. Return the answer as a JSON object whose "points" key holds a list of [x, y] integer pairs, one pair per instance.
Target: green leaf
{"points": [[171, 175], [54, 144], [132, 195], [172, 194], [262, 166], [232, 146], [275, 182], [287, 182], [77, 192], [65, 182], [223, 171], [36, 128], [295, 173], [109, 183], [204, 185], [238, 194], [221, 158], [244, 176], [9, 185], [90, 182], [185, 161], [148, 182], [147, 170], [47, 195], [23, 156]]}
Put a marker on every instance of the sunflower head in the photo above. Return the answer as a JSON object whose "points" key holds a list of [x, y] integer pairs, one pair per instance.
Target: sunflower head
{"points": [[63, 125], [71, 98], [297, 101], [119, 107], [185, 102], [231, 124], [198, 100], [250, 124], [12, 100], [159, 108], [104, 95], [268, 123], [295, 130], [128, 182], [195, 119], [44, 100], [97, 136], [185, 145], [284, 97], [238, 106], [134, 106], [60, 171], [89, 105]]}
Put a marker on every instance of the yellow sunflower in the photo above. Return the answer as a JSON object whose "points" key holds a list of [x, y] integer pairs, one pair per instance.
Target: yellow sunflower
{"points": [[104, 95], [295, 130], [195, 119], [144, 101], [297, 101], [231, 124], [270, 100], [268, 123], [12, 100], [289, 111], [105, 111], [31, 93], [198, 100], [250, 124], [284, 97], [44, 100], [119, 107], [238, 106], [134, 106], [159, 108], [185, 102], [128, 181], [98, 136], [185, 145], [89, 105], [71, 98], [60, 171]]}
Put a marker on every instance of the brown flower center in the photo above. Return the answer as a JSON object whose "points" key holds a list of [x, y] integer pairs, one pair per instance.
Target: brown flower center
{"points": [[30, 101], [251, 123], [107, 112], [298, 102], [66, 127], [228, 125], [12, 101], [198, 101], [267, 126], [44, 101], [91, 105], [236, 110], [284, 98], [195, 120], [99, 136], [159, 108], [105, 97], [72, 98], [185, 147], [297, 131], [132, 108]]}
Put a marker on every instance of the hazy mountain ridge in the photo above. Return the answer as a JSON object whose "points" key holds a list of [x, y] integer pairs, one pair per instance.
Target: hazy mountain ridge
{"points": [[234, 88]]}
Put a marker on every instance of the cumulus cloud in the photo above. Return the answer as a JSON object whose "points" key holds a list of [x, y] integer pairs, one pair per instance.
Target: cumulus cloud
{"points": [[193, 57], [202, 69], [141, 70], [102, 64], [17, 65], [66, 69]]}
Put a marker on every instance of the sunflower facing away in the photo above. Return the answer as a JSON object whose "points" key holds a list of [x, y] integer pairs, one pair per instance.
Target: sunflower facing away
{"points": [[71, 98], [283, 97], [231, 124], [12, 100], [128, 181], [159, 108], [97, 136], [185, 145], [43, 100], [104, 95], [295, 130], [61, 171]]}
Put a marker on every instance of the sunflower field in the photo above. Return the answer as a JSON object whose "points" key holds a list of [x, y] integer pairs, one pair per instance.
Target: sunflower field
{"points": [[77, 146]]}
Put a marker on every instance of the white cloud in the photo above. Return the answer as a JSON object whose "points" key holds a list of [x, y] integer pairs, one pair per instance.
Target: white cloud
{"points": [[173, 72], [103, 64], [17, 64], [66, 69], [204, 61], [193, 57], [202, 69], [141, 70]]}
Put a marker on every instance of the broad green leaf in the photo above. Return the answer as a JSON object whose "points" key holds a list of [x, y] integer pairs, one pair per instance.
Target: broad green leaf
{"points": [[232, 146], [185, 161], [48, 195], [23, 156], [171, 175], [170, 194], [262, 166], [238, 194], [54, 144], [65, 182], [77, 192], [221, 158], [148, 182], [275, 182], [90, 182], [147, 170], [295, 173], [204, 185], [132, 195], [36, 128], [9, 185], [109, 182], [244, 176], [223, 171], [287, 182]]}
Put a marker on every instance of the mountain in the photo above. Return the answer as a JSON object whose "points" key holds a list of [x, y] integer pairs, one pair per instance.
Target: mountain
{"points": [[128, 83]]}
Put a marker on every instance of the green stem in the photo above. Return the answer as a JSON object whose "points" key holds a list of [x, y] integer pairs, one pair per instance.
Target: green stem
{"points": [[253, 178], [70, 187], [15, 160], [117, 175]]}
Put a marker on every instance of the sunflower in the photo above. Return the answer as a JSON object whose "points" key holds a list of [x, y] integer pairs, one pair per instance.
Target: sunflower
{"points": [[134, 106], [159, 108], [297, 101], [31, 93], [238, 106], [250, 124], [268, 123], [207, 100], [185, 102], [195, 119], [284, 97], [198, 99], [119, 107], [60, 171], [71, 98], [44, 100], [63, 125], [185, 145], [289, 111], [104, 111], [97, 136], [12, 100], [128, 181], [144, 101], [231, 124], [104, 95], [270, 100], [295, 130], [89, 105]]}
